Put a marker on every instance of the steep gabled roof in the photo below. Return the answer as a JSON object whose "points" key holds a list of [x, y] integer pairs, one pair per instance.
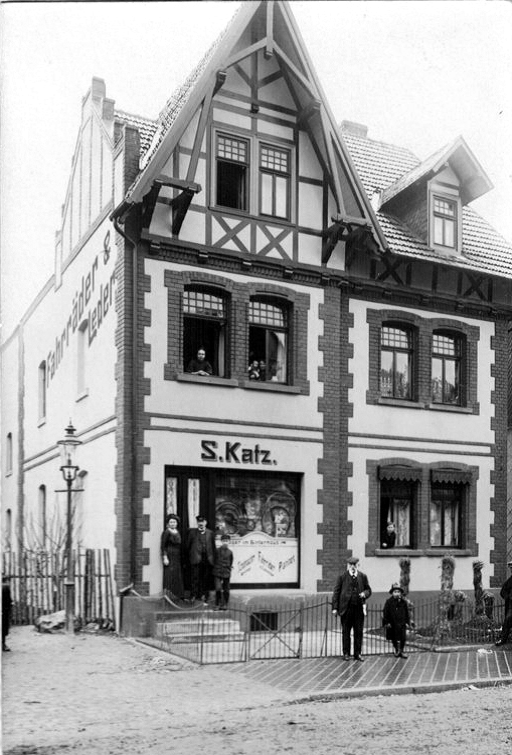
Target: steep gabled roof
{"points": [[273, 30], [379, 165], [473, 180]]}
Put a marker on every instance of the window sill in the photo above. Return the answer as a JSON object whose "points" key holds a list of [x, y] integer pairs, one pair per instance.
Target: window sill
{"points": [[397, 552], [415, 553], [186, 377], [255, 385], [449, 408], [404, 403]]}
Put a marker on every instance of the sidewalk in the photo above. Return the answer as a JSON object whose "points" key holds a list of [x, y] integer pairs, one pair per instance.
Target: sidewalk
{"points": [[61, 692]]}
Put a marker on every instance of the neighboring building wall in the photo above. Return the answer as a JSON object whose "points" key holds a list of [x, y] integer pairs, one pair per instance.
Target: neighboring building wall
{"points": [[11, 407]]}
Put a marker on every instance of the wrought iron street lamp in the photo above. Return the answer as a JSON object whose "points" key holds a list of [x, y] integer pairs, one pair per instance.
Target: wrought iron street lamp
{"points": [[69, 471]]}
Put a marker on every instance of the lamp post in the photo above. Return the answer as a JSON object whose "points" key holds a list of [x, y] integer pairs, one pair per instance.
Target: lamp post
{"points": [[69, 471]]}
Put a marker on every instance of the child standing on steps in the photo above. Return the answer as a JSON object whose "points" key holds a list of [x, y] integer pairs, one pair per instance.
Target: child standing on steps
{"points": [[222, 573]]}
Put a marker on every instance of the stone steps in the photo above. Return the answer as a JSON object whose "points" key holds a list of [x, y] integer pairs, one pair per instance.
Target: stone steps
{"points": [[205, 628]]}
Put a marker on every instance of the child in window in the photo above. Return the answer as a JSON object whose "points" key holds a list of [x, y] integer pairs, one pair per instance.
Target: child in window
{"points": [[254, 370]]}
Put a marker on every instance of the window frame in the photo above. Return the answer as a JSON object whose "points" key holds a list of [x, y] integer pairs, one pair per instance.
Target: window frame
{"points": [[238, 293], [461, 500], [285, 308], [443, 193], [254, 172], [425, 475], [224, 160], [457, 359], [274, 173], [412, 498], [395, 350], [423, 329], [220, 363]]}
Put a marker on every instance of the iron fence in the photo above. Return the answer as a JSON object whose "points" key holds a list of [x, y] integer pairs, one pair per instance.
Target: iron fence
{"points": [[287, 628]]}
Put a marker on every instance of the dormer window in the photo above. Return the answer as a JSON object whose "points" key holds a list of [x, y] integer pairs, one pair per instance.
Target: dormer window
{"points": [[445, 222]]}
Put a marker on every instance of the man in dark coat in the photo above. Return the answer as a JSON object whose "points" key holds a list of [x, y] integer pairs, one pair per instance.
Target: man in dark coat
{"points": [[6, 610], [506, 594], [349, 603], [396, 619], [201, 555]]}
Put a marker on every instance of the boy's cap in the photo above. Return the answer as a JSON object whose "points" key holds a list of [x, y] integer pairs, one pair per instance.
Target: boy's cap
{"points": [[225, 537], [352, 560], [200, 519]]}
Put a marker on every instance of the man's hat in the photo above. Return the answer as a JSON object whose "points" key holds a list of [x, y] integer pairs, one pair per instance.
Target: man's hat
{"points": [[352, 560], [225, 537], [200, 519], [396, 586]]}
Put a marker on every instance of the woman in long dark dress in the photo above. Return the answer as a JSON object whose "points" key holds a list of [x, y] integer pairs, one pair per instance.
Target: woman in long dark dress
{"points": [[170, 548]]}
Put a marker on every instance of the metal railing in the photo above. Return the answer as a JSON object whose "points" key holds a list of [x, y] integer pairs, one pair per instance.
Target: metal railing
{"points": [[285, 628]]}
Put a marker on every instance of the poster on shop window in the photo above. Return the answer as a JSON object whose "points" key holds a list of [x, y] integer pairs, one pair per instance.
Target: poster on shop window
{"points": [[260, 516]]}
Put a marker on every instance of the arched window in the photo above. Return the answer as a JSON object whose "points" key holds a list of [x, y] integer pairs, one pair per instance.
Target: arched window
{"points": [[8, 454], [42, 390], [396, 361], [446, 368], [268, 339], [81, 361], [205, 328]]}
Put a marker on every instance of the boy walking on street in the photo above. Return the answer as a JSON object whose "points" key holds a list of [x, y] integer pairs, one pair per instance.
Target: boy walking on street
{"points": [[222, 573], [396, 619]]}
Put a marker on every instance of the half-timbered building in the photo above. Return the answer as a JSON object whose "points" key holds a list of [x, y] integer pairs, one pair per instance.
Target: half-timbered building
{"points": [[352, 307]]}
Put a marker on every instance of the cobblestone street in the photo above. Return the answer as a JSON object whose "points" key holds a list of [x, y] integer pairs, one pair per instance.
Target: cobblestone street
{"points": [[93, 693]]}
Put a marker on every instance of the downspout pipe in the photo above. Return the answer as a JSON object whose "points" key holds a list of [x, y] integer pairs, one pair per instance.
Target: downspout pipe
{"points": [[118, 217]]}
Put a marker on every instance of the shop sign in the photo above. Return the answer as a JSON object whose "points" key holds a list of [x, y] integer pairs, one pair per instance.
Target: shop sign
{"points": [[233, 452], [92, 301], [261, 558]]}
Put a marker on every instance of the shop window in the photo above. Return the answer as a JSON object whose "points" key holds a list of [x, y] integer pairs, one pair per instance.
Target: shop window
{"points": [[396, 358], [232, 155], [444, 222], [42, 390], [260, 510], [268, 341], [274, 181], [397, 505], [205, 329], [446, 368]]}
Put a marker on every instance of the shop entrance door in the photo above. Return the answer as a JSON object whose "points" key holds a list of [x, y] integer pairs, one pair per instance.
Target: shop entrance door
{"points": [[187, 495]]}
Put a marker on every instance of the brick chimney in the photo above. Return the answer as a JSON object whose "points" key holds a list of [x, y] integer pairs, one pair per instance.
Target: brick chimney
{"points": [[356, 129]]}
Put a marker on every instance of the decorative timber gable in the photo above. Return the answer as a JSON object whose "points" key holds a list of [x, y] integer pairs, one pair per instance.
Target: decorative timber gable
{"points": [[247, 158]]}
